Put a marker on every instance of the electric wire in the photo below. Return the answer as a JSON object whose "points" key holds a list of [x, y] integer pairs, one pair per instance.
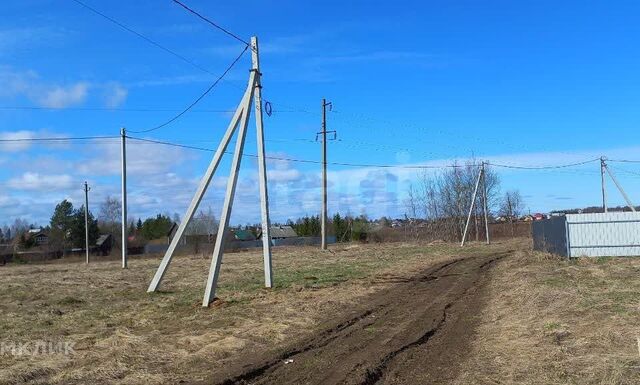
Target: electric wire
{"points": [[298, 160], [205, 93], [542, 167], [57, 139], [233, 35], [130, 30], [118, 109], [622, 160]]}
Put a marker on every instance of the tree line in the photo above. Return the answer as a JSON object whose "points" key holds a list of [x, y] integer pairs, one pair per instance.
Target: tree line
{"points": [[438, 203]]}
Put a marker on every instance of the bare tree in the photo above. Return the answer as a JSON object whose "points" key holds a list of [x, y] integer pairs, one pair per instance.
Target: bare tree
{"points": [[109, 218], [443, 198], [204, 223], [512, 207], [412, 203]]}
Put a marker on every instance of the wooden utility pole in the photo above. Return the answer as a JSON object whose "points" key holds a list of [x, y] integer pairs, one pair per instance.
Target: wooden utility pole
{"points": [[324, 132]]}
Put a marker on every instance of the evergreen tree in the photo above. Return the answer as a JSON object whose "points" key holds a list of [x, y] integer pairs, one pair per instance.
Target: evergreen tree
{"points": [[158, 227], [77, 230], [340, 227], [61, 223], [139, 225]]}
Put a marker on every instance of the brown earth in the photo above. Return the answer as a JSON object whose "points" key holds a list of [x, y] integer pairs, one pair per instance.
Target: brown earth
{"points": [[416, 331]]}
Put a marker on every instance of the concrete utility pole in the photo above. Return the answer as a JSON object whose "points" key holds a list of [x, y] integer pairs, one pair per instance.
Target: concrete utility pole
{"points": [[324, 132], [86, 218], [262, 166], [123, 159], [484, 195], [239, 123], [604, 190]]}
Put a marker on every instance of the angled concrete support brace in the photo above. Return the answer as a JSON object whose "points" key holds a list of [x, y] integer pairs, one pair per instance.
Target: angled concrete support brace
{"points": [[223, 227], [473, 203], [619, 186], [204, 183]]}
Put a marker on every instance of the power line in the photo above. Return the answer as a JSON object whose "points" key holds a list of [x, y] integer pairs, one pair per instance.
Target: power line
{"points": [[57, 139], [176, 117], [623, 160], [542, 167], [109, 109], [119, 24], [211, 22], [298, 160]]}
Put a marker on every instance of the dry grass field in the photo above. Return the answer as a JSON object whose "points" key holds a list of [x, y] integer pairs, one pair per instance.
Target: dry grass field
{"points": [[553, 321], [546, 321]]}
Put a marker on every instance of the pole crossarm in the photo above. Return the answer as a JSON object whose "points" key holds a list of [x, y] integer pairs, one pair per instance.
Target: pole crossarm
{"points": [[239, 122]]}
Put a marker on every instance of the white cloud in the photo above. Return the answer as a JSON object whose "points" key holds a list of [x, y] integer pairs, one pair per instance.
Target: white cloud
{"points": [[36, 181], [64, 96], [115, 95], [143, 159], [29, 84], [283, 176]]}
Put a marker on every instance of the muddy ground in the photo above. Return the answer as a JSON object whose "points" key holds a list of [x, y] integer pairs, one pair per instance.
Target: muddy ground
{"points": [[416, 331]]}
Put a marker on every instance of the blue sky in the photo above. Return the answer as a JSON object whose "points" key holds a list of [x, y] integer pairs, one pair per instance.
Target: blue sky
{"points": [[412, 82]]}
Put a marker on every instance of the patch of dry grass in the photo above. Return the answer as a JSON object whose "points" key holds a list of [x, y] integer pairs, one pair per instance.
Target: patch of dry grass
{"points": [[123, 335], [553, 321]]}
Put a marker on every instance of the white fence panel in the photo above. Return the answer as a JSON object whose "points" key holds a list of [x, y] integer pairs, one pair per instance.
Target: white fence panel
{"points": [[604, 234]]}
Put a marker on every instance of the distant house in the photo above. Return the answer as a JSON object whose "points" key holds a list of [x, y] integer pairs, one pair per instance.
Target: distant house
{"points": [[172, 233], [103, 244], [282, 232], [539, 217], [39, 236], [243, 235], [527, 218]]}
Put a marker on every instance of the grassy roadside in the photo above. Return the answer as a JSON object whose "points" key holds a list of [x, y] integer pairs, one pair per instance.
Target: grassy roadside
{"points": [[552, 321], [124, 336]]}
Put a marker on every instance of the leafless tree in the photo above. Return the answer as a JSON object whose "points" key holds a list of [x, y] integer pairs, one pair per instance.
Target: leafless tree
{"points": [[412, 203], [511, 207], [203, 225], [109, 219], [443, 199]]}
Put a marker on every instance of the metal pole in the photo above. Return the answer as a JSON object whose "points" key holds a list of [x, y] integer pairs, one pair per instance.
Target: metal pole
{"points": [[486, 211], [86, 218], [604, 190], [262, 166], [123, 158], [324, 175], [619, 186], [473, 202]]}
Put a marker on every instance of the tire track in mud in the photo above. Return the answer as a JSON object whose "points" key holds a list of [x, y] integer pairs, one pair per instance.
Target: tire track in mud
{"points": [[365, 348]]}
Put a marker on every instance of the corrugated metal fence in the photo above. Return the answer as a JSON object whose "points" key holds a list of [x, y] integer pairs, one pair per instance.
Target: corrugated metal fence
{"points": [[589, 235]]}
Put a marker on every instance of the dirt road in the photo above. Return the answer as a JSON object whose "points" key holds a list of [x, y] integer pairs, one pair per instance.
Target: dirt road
{"points": [[416, 332]]}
